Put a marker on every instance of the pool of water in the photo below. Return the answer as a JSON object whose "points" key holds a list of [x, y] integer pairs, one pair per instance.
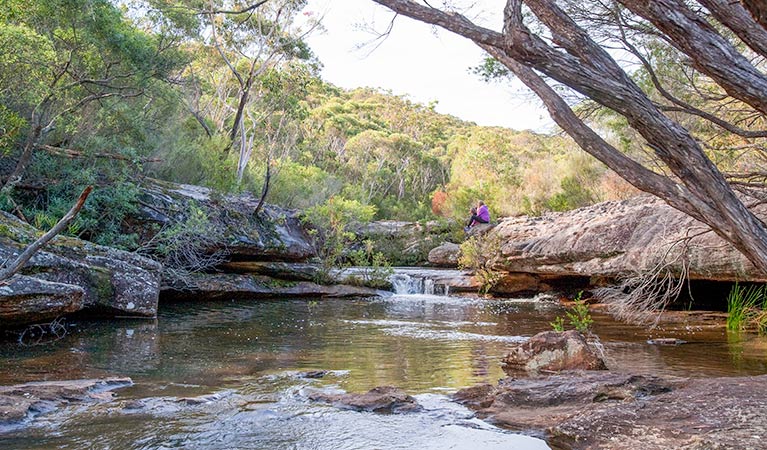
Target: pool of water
{"points": [[247, 356]]}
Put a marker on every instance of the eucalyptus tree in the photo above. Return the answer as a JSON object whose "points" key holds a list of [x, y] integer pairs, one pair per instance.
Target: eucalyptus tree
{"points": [[545, 44], [62, 59]]}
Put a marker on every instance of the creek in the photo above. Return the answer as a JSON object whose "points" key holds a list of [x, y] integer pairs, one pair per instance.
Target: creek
{"points": [[246, 358]]}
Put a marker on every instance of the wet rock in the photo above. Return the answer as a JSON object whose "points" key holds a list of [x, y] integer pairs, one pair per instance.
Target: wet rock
{"points": [[552, 351], [666, 341], [25, 300], [21, 403], [382, 399], [445, 255], [605, 410], [241, 286], [314, 374], [717, 413]]}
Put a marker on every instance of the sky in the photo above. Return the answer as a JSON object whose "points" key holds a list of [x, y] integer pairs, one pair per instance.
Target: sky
{"points": [[420, 62]]}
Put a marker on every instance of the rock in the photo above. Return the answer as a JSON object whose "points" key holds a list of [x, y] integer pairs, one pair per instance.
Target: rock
{"points": [[445, 255], [607, 410], [615, 239], [242, 286], [25, 300], [535, 404], [275, 235], [382, 399], [113, 282], [552, 351], [405, 243], [314, 374], [716, 413], [275, 269], [23, 402], [666, 341]]}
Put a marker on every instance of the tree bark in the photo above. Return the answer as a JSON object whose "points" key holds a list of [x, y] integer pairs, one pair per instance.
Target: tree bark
{"points": [[737, 18], [586, 67]]}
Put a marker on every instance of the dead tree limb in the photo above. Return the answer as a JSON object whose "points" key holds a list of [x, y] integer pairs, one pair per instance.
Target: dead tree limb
{"points": [[15, 265]]}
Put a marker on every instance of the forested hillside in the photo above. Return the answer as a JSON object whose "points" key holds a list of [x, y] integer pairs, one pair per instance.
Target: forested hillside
{"points": [[106, 93]]}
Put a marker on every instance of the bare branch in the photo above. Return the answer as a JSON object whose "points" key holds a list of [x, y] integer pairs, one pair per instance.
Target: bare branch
{"points": [[14, 266]]}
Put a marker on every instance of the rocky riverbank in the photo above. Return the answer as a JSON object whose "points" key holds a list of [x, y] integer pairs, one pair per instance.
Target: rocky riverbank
{"points": [[617, 411]]}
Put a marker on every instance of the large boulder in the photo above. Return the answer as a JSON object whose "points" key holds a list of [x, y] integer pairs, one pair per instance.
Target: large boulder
{"points": [[113, 282], [552, 351], [616, 239], [406, 243], [445, 255], [275, 234]]}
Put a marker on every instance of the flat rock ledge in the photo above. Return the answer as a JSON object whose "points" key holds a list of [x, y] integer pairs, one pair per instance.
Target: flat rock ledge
{"points": [[226, 286], [21, 403], [602, 410], [382, 399]]}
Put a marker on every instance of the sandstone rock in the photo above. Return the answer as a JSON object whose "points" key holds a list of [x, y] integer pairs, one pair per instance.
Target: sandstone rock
{"points": [[382, 399], [276, 269], [535, 404], [445, 255], [552, 351], [23, 402], [615, 411], [614, 239], [113, 281], [276, 234], [242, 286], [25, 300]]}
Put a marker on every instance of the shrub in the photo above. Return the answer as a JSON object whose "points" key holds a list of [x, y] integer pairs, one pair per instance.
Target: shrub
{"points": [[476, 255]]}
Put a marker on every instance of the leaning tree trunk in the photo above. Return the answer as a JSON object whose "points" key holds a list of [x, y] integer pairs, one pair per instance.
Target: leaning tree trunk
{"points": [[701, 190]]}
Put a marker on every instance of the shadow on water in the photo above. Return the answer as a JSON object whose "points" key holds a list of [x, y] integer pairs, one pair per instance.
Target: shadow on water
{"points": [[424, 344]]}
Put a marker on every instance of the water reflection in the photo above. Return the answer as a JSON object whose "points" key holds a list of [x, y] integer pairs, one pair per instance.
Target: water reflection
{"points": [[424, 344]]}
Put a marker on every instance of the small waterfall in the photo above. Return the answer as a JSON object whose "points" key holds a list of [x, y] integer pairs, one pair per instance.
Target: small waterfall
{"points": [[412, 284]]}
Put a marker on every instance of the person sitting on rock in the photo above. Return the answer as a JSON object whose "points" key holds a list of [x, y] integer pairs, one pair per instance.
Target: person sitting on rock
{"points": [[480, 214]]}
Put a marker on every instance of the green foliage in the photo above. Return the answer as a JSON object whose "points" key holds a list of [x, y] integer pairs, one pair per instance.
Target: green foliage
{"points": [[558, 324], [747, 306], [579, 315], [375, 268], [476, 253], [331, 235]]}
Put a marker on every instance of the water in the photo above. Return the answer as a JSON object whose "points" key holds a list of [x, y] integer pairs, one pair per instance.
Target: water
{"points": [[247, 356]]}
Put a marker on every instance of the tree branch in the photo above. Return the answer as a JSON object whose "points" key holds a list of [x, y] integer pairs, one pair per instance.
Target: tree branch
{"points": [[14, 266]]}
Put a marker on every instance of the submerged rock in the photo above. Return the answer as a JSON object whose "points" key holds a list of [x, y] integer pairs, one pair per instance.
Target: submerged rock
{"points": [[552, 351], [382, 399], [23, 402]]}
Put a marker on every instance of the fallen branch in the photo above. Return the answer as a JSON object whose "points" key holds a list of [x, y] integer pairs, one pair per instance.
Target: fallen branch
{"points": [[69, 153], [14, 266]]}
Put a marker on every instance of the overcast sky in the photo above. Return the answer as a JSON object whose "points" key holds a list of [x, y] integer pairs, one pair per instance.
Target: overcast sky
{"points": [[418, 61]]}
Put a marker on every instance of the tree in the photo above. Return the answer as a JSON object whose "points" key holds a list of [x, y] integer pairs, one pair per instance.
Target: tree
{"points": [[566, 52], [61, 57]]}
